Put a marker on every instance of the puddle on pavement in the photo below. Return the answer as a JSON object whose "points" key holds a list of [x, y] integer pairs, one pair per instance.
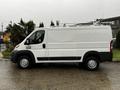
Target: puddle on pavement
{"points": [[55, 77]]}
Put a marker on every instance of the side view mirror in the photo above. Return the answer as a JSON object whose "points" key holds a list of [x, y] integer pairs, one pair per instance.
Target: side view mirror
{"points": [[27, 42]]}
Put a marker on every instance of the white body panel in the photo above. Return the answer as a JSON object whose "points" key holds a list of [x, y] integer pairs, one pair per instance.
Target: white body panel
{"points": [[67, 42]]}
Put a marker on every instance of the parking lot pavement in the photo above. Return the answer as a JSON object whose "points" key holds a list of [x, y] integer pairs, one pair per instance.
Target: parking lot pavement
{"points": [[59, 77]]}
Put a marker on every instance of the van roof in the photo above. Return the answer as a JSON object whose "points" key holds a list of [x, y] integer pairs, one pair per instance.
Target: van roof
{"points": [[75, 28]]}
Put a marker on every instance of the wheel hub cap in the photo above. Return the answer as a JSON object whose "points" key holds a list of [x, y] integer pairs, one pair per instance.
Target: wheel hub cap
{"points": [[24, 63], [92, 64]]}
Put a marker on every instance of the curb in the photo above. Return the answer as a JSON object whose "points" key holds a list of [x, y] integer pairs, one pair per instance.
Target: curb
{"points": [[116, 60], [4, 59]]}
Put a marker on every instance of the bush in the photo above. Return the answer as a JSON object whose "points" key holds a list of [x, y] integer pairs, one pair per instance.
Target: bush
{"points": [[118, 40], [7, 53]]}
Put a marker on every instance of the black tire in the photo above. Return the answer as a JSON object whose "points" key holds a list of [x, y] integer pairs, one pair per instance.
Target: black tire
{"points": [[24, 62], [91, 63]]}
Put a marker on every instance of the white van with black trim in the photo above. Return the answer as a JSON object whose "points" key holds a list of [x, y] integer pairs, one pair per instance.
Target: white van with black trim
{"points": [[88, 45]]}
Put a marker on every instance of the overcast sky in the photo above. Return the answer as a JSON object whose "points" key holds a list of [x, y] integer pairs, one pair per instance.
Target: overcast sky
{"points": [[67, 11]]}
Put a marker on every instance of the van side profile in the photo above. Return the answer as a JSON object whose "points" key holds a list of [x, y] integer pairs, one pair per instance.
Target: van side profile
{"points": [[88, 45]]}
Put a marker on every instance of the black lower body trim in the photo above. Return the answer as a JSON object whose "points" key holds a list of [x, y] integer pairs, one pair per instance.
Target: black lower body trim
{"points": [[106, 56], [58, 58]]}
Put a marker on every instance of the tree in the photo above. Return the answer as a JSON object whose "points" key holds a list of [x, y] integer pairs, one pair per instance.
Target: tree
{"points": [[17, 34], [20, 31], [30, 26], [27, 27], [52, 24], [41, 25]]}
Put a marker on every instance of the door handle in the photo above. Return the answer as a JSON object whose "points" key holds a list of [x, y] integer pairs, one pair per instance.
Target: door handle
{"points": [[44, 45]]}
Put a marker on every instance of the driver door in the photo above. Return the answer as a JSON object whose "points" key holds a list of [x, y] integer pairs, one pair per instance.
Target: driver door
{"points": [[37, 44]]}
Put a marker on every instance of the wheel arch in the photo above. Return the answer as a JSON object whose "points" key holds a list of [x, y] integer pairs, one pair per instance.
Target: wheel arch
{"points": [[25, 53], [91, 53]]}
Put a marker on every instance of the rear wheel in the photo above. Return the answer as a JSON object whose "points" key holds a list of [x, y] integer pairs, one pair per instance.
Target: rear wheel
{"points": [[91, 63], [24, 62]]}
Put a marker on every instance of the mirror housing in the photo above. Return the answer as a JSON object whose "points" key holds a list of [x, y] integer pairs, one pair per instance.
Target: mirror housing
{"points": [[27, 42]]}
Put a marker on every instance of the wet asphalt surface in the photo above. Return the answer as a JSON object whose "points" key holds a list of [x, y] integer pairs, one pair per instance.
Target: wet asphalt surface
{"points": [[59, 77]]}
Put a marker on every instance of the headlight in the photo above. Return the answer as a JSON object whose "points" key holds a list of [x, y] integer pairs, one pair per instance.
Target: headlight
{"points": [[17, 46]]}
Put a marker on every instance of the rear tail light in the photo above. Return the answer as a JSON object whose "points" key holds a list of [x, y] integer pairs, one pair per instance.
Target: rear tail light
{"points": [[111, 45]]}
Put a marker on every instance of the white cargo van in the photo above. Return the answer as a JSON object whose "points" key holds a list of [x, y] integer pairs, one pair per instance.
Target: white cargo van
{"points": [[88, 45]]}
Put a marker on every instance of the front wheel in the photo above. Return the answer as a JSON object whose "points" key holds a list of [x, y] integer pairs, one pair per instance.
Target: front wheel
{"points": [[24, 62], [91, 63]]}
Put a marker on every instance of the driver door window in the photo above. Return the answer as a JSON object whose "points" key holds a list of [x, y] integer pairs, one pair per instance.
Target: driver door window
{"points": [[37, 37]]}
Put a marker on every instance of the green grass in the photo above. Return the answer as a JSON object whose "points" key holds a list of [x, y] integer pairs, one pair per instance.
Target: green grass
{"points": [[116, 54]]}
